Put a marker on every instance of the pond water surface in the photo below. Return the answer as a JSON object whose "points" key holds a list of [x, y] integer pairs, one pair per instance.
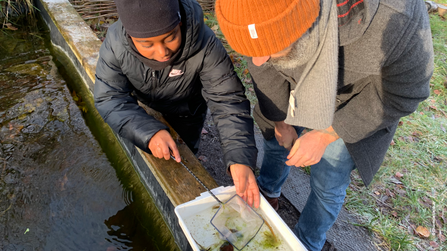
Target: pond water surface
{"points": [[59, 190]]}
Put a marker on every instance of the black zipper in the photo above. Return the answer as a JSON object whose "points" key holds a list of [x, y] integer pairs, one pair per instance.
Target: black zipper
{"points": [[154, 83]]}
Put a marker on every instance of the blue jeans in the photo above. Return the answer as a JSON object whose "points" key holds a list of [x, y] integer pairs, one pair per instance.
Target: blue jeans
{"points": [[328, 181]]}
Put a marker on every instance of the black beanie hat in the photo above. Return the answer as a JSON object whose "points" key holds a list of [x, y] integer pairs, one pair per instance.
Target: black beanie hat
{"points": [[148, 18]]}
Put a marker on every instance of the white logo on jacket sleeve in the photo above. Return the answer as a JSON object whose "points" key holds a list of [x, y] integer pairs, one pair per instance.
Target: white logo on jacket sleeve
{"points": [[175, 72]]}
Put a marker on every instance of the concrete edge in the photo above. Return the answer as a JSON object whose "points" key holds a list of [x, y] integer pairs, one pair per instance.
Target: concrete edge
{"points": [[70, 32]]}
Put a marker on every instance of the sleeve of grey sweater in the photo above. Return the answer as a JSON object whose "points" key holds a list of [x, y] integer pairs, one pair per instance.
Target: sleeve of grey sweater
{"points": [[397, 92]]}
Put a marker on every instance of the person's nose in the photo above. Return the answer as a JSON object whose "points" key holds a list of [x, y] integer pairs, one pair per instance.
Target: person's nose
{"points": [[162, 51], [258, 61]]}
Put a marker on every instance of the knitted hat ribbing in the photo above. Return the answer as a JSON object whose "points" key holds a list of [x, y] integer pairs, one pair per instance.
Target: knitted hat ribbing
{"points": [[260, 28], [143, 19]]}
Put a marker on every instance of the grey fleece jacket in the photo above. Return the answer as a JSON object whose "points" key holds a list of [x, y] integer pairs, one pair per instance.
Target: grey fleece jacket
{"points": [[385, 65]]}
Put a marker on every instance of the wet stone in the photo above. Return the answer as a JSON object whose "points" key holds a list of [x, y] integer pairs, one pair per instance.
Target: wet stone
{"points": [[30, 69], [3, 77], [10, 179]]}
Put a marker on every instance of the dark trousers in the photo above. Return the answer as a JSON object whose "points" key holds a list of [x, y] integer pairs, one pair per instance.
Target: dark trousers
{"points": [[189, 127]]}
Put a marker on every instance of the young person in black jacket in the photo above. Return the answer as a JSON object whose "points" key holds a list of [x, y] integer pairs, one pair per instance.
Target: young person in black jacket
{"points": [[162, 54]]}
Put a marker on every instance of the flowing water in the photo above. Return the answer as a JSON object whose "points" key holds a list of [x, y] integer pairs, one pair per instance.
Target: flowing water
{"points": [[59, 190]]}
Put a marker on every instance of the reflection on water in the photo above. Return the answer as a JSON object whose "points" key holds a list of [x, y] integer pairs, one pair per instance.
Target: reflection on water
{"points": [[58, 190]]}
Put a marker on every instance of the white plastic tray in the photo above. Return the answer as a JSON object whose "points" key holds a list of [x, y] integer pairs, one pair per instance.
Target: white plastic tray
{"points": [[194, 218]]}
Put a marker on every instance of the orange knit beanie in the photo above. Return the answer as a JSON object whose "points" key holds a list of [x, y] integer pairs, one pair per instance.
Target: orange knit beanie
{"points": [[258, 28]]}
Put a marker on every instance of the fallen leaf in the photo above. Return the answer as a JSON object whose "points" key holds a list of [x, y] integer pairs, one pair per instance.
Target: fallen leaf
{"points": [[417, 134], [423, 232], [63, 181], [437, 158], [395, 181], [399, 175], [232, 58], [377, 192], [441, 237], [401, 192], [394, 213], [202, 158], [400, 123], [10, 27], [204, 131], [425, 203], [427, 200], [389, 193], [437, 92], [433, 107], [438, 223], [443, 218], [246, 71], [392, 142], [434, 244]]}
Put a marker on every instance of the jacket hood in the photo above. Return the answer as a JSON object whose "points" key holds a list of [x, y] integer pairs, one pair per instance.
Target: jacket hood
{"points": [[192, 20], [351, 30]]}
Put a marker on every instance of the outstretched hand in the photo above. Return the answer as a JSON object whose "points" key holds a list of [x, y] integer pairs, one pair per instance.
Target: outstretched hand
{"points": [[245, 183], [162, 144]]}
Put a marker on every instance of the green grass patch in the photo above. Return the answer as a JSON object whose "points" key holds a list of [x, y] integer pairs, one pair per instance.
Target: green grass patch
{"points": [[406, 204]]}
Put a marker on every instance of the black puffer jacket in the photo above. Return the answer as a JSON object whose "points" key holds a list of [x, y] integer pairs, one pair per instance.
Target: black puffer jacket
{"points": [[207, 71]]}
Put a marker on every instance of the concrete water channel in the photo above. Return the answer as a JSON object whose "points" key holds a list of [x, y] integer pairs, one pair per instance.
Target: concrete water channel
{"points": [[70, 184], [65, 183]]}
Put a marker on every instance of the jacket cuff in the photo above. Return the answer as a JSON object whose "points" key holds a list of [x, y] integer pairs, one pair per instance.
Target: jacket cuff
{"points": [[241, 156]]}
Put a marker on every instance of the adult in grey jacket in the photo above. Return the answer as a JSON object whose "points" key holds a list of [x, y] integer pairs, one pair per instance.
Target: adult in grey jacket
{"points": [[161, 53], [348, 70]]}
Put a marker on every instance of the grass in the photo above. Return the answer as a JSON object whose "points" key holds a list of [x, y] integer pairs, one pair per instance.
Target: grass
{"points": [[408, 194], [9, 8]]}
